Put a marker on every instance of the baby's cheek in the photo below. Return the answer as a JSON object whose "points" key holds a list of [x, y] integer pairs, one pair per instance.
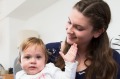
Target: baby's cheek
{"points": [[24, 65], [41, 66]]}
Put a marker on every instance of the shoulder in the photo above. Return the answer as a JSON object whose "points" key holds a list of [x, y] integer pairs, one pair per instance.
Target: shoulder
{"points": [[53, 49], [53, 45], [116, 56], [19, 74], [50, 68]]}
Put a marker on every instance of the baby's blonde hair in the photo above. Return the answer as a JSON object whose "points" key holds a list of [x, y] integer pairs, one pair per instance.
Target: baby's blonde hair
{"points": [[32, 41]]}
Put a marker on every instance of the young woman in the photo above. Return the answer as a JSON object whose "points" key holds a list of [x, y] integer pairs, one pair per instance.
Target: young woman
{"points": [[86, 26]]}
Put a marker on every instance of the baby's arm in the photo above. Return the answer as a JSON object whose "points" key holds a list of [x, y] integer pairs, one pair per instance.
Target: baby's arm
{"points": [[70, 64]]}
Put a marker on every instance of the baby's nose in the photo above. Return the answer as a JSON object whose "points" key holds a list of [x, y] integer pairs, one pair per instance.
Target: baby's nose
{"points": [[33, 61]]}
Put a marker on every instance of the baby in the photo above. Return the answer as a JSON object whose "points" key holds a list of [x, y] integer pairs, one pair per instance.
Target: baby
{"points": [[33, 58]]}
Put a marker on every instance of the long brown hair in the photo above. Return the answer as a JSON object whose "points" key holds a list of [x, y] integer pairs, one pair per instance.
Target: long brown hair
{"points": [[103, 66]]}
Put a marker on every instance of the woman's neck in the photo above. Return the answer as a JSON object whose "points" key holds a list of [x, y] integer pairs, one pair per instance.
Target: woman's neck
{"points": [[81, 57], [82, 51]]}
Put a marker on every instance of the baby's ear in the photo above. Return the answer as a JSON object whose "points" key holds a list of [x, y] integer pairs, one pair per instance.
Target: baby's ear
{"points": [[19, 57], [98, 32]]}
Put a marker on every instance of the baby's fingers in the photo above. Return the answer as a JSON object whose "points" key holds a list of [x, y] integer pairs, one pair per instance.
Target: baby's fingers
{"points": [[73, 50]]}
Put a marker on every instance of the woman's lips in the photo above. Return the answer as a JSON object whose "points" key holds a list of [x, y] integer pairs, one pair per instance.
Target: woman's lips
{"points": [[71, 37]]}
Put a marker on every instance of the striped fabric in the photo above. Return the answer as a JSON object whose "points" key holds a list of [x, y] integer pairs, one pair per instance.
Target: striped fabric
{"points": [[115, 43]]}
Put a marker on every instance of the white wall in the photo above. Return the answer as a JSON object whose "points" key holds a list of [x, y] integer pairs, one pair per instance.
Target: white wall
{"points": [[15, 26], [50, 23], [7, 6], [5, 43], [114, 28]]}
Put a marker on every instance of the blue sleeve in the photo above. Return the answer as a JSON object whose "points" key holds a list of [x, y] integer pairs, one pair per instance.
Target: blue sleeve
{"points": [[116, 57], [53, 51]]}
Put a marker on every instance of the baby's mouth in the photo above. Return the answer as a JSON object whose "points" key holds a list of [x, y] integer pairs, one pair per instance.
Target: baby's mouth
{"points": [[32, 67]]}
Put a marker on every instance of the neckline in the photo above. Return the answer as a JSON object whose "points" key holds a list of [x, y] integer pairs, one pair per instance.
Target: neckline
{"points": [[81, 72]]}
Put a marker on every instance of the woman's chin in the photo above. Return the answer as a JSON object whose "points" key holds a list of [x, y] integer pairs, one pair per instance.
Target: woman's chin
{"points": [[70, 42]]}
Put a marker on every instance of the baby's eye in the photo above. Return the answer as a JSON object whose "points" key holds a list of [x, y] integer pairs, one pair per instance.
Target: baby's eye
{"points": [[27, 57], [38, 57]]}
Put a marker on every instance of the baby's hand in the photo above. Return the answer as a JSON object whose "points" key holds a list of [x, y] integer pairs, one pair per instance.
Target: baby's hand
{"points": [[71, 54]]}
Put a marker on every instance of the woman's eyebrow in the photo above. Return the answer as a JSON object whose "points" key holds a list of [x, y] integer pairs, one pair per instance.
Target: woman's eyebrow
{"points": [[75, 24], [69, 19]]}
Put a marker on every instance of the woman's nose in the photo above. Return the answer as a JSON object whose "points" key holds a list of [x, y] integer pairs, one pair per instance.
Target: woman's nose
{"points": [[69, 29]]}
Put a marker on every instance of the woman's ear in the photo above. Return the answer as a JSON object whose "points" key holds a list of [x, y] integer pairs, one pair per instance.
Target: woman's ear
{"points": [[98, 33]]}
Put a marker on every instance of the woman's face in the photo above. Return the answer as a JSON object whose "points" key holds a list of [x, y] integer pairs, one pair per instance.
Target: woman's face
{"points": [[78, 28]]}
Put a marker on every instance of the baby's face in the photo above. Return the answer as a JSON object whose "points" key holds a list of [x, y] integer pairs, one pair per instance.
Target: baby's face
{"points": [[33, 60]]}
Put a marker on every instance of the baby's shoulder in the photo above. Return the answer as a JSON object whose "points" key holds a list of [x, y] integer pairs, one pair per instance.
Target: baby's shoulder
{"points": [[50, 68], [19, 74]]}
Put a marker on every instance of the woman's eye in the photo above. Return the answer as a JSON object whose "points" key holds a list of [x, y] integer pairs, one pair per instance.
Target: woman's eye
{"points": [[69, 22], [79, 28]]}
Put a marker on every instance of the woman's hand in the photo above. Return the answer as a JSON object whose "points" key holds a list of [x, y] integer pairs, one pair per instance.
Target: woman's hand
{"points": [[71, 54]]}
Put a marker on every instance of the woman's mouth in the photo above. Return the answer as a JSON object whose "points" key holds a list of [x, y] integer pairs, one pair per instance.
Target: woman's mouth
{"points": [[71, 37]]}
